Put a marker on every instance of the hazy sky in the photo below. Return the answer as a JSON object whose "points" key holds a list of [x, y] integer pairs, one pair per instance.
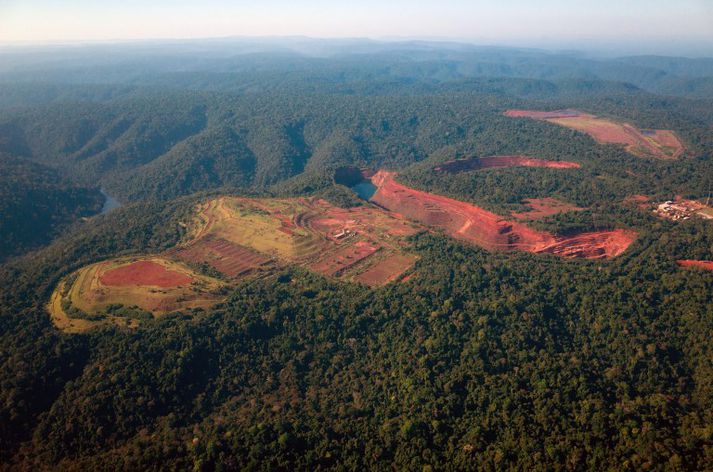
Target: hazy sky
{"points": [[493, 21]]}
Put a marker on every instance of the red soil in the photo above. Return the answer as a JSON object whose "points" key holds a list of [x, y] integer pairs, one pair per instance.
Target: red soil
{"points": [[488, 230], [344, 258], [286, 230], [461, 220], [386, 270], [493, 162], [594, 245], [708, 265], [604, 131], [543, 115], [359, 219], [663, 144], [407, 278], [668, 138], [542, 207], [143, 273], [224, 256]]}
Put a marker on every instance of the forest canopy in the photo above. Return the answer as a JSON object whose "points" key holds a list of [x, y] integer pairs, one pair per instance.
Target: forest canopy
{"points": [[478, 360]]}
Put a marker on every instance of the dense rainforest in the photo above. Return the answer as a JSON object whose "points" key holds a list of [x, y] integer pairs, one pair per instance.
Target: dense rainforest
{"points": [[481, 361], [36, 204]]}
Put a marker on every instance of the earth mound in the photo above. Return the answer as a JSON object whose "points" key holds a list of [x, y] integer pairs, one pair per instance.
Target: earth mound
{"points": [[123, 290]]}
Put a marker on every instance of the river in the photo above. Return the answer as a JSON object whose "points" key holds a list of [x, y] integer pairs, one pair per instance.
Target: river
{"points": [[110, 203]]}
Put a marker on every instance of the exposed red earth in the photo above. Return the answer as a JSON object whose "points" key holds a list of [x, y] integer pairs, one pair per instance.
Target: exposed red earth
{"points": [[542, 207], [494, 162], [243, 236], [471, 223], [407, 278], [594, 245], [659, 143], [543, 115], [666, 138], [707, 265], [344, 258], [226, 257], [361, 219], [144, 273], [386, 270]]}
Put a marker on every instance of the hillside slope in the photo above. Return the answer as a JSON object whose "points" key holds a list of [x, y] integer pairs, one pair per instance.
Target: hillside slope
{"points": [[36, 205]]}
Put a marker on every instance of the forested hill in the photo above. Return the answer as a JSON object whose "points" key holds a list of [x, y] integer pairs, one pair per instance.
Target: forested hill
{"points": [[241, 64], [484, 360], [36, 205], [476, 360], [160, 145]]}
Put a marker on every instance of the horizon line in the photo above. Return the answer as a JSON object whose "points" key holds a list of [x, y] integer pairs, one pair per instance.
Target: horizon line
{"points": [[598, 45]]}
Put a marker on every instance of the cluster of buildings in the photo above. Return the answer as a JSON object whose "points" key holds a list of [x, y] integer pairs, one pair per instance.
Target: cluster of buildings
{"points": [[681, 210]]}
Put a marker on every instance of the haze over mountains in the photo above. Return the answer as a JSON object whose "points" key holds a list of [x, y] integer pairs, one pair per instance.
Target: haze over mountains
{"points": [[202, 64]]}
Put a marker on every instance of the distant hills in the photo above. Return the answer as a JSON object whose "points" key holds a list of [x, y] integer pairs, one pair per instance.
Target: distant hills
{"points": [[157, 120], [234, 64]]}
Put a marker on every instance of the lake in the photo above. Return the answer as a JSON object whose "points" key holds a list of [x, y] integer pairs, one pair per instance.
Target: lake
{"points": [[364, 189]]}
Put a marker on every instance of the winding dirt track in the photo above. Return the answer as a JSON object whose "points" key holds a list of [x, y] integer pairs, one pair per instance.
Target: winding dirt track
{"points": [[471, 223]]}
